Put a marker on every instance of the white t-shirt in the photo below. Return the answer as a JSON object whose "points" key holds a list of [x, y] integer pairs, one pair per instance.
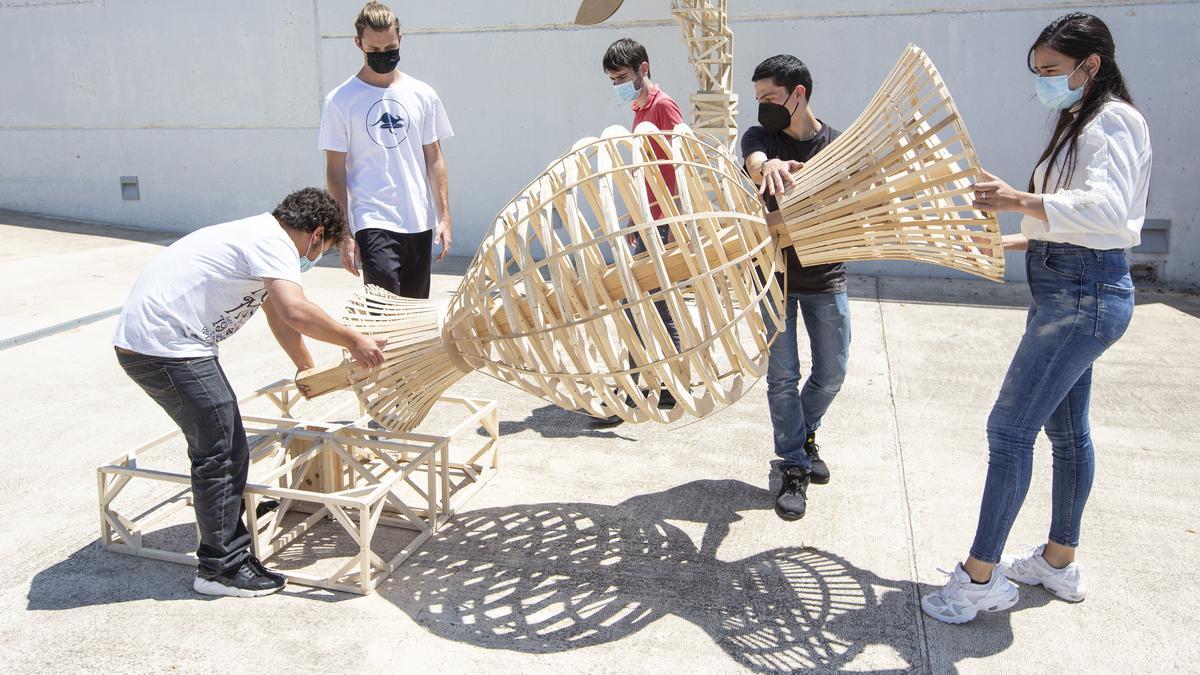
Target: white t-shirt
{"points": [[204, 287], [1104, 205], [382, 131]]}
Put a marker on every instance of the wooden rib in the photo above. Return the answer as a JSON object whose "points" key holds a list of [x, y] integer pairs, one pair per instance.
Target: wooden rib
{"points": [[896, 185]]}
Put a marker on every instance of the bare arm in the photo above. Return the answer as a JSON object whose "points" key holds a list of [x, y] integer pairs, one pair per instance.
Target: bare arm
{"points": [[305, 317], [335, 182], [289, 338], [435, 166]]}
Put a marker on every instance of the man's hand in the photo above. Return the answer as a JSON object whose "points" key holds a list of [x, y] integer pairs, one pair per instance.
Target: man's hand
{"points": [[441, 235], [777, 176], [350, 258], [368, 350]]}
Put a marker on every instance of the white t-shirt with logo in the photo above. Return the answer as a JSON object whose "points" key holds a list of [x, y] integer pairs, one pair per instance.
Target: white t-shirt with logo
{"points": [[202, 288], [382, 131]]}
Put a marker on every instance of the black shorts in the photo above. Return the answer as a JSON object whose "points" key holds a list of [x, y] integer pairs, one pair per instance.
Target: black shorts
{"points": [[396, 262]]}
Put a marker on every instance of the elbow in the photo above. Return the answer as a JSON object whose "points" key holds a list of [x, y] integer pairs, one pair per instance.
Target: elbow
{"points": [[291, 313]]}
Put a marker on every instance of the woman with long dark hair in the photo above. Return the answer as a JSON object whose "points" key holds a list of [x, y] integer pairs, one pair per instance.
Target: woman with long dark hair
{"points": [[1084, 206]]}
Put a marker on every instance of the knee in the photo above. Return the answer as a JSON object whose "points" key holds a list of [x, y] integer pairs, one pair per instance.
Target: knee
{"points": [[1008, 440], [782, 379]]}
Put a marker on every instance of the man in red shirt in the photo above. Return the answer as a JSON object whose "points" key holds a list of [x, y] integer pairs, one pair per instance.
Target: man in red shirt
{"points": [[628, 66]]}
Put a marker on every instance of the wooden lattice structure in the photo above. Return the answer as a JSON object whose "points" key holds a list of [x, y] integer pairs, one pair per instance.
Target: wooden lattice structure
{"points": [[706, 34], [307, 474], [896, 185], [709, 40], [557, 303]]}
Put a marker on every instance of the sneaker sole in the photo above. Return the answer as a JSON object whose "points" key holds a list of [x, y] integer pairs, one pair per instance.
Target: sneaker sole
{"points": [[1034, 581], [209, 587], [813, 479], [1004, 604]]}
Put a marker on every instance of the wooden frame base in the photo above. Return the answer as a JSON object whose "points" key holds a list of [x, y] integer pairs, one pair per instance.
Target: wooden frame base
{"points": [[347, 473]]}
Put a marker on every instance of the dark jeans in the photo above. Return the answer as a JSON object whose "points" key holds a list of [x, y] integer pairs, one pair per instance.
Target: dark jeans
{"points": [[396, 262], [664, 313], [1082, 304], [197, 396]]}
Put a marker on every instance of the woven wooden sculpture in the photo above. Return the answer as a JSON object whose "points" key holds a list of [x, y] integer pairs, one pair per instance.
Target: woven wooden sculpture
{"points": [[706, 34], [556, 302], [895, 185]]}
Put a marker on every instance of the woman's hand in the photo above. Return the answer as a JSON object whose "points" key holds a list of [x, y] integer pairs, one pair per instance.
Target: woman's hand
{"points": [[993, 194]]}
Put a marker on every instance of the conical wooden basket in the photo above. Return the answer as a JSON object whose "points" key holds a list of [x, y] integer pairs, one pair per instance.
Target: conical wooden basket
{"points": [[896, 185]]}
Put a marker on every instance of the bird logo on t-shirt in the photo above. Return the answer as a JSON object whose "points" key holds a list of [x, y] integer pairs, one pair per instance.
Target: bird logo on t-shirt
{"points": [[387, 122]]}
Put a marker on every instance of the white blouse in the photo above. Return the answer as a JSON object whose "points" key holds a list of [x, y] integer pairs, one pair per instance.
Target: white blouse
{"points": [[1104, 205]]}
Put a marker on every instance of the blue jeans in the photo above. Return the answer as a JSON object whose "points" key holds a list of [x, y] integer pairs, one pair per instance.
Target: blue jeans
{"points": [[195, 393], [1082, 303], [796, 412]]}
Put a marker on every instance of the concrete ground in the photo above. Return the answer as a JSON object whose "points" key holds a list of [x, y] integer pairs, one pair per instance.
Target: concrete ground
{"points": [[635, 549]]}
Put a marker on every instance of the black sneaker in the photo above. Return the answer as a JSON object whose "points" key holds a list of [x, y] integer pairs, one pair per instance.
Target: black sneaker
{"points": [[244, 582], [666, 400], [819, 473], [263, 570], [791, 501]]}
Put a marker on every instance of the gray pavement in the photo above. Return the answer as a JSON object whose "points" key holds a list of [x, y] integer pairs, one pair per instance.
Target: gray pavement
{"points": [[635, 549]]}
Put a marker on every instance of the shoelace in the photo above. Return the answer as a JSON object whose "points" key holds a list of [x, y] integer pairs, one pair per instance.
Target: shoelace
{"points": [[793, 484], [953, 583]]}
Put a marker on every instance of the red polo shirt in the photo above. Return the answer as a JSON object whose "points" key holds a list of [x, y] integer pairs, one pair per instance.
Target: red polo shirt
{"points": [[661, 111]]}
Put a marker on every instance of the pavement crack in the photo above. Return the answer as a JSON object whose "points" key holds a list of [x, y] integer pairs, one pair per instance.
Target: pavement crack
{"points": [[922, 636]]}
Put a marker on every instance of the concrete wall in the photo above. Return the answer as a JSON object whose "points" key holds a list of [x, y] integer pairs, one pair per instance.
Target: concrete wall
{"points": [[215, 106]]}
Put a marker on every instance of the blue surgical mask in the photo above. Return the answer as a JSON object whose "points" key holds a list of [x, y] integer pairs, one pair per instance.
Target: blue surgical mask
{"points": [[305, 263], [626, 91], [1056, 93]]}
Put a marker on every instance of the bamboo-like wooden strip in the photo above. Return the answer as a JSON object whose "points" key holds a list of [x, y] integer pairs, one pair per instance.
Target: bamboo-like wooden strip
{"points": [[896, 185]]}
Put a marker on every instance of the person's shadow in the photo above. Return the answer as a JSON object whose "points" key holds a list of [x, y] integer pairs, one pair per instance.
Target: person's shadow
{"points": [[551, 421]]}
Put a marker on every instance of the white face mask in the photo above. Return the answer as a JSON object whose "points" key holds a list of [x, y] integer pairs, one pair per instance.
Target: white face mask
{"points": [[1056, 92]]}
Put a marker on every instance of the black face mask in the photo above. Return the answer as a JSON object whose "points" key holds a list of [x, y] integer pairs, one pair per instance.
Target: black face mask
{"points": [[383, 62], [774, 117]]}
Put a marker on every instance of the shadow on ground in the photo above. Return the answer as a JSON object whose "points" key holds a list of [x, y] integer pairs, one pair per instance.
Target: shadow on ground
{"points": [[548, 578], [551, 421]]}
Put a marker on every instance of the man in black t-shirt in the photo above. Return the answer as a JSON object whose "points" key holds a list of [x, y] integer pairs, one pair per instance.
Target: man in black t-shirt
{"points": [[789, 134]]}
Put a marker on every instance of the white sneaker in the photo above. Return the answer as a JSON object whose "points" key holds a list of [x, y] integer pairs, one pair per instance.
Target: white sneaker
{"points": [[1031, 568], [961, 599]]}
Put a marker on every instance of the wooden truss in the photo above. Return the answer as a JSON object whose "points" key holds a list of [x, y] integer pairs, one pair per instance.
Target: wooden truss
{"points": [[897, 185], [305, 473], [709, 41], [558, 303]]}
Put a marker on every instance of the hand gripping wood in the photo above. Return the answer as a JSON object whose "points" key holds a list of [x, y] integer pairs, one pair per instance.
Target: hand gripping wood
{"points": [[897, 185]]}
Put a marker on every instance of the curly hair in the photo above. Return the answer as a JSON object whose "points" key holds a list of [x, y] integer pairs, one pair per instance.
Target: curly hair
{"points": [[309, 209]]}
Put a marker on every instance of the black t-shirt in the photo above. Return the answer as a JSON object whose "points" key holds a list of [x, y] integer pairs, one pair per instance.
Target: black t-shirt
{"points": [[778, 145]]}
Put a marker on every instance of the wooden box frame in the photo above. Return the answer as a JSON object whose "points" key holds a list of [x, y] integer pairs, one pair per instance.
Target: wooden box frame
{"points": [[358, 477]]}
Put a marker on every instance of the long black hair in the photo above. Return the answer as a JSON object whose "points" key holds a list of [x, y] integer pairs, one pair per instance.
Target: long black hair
{"points": [[1078, 36]]}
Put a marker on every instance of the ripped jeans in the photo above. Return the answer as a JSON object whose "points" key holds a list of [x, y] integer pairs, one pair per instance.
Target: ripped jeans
{"points": [[1082, 303]]}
